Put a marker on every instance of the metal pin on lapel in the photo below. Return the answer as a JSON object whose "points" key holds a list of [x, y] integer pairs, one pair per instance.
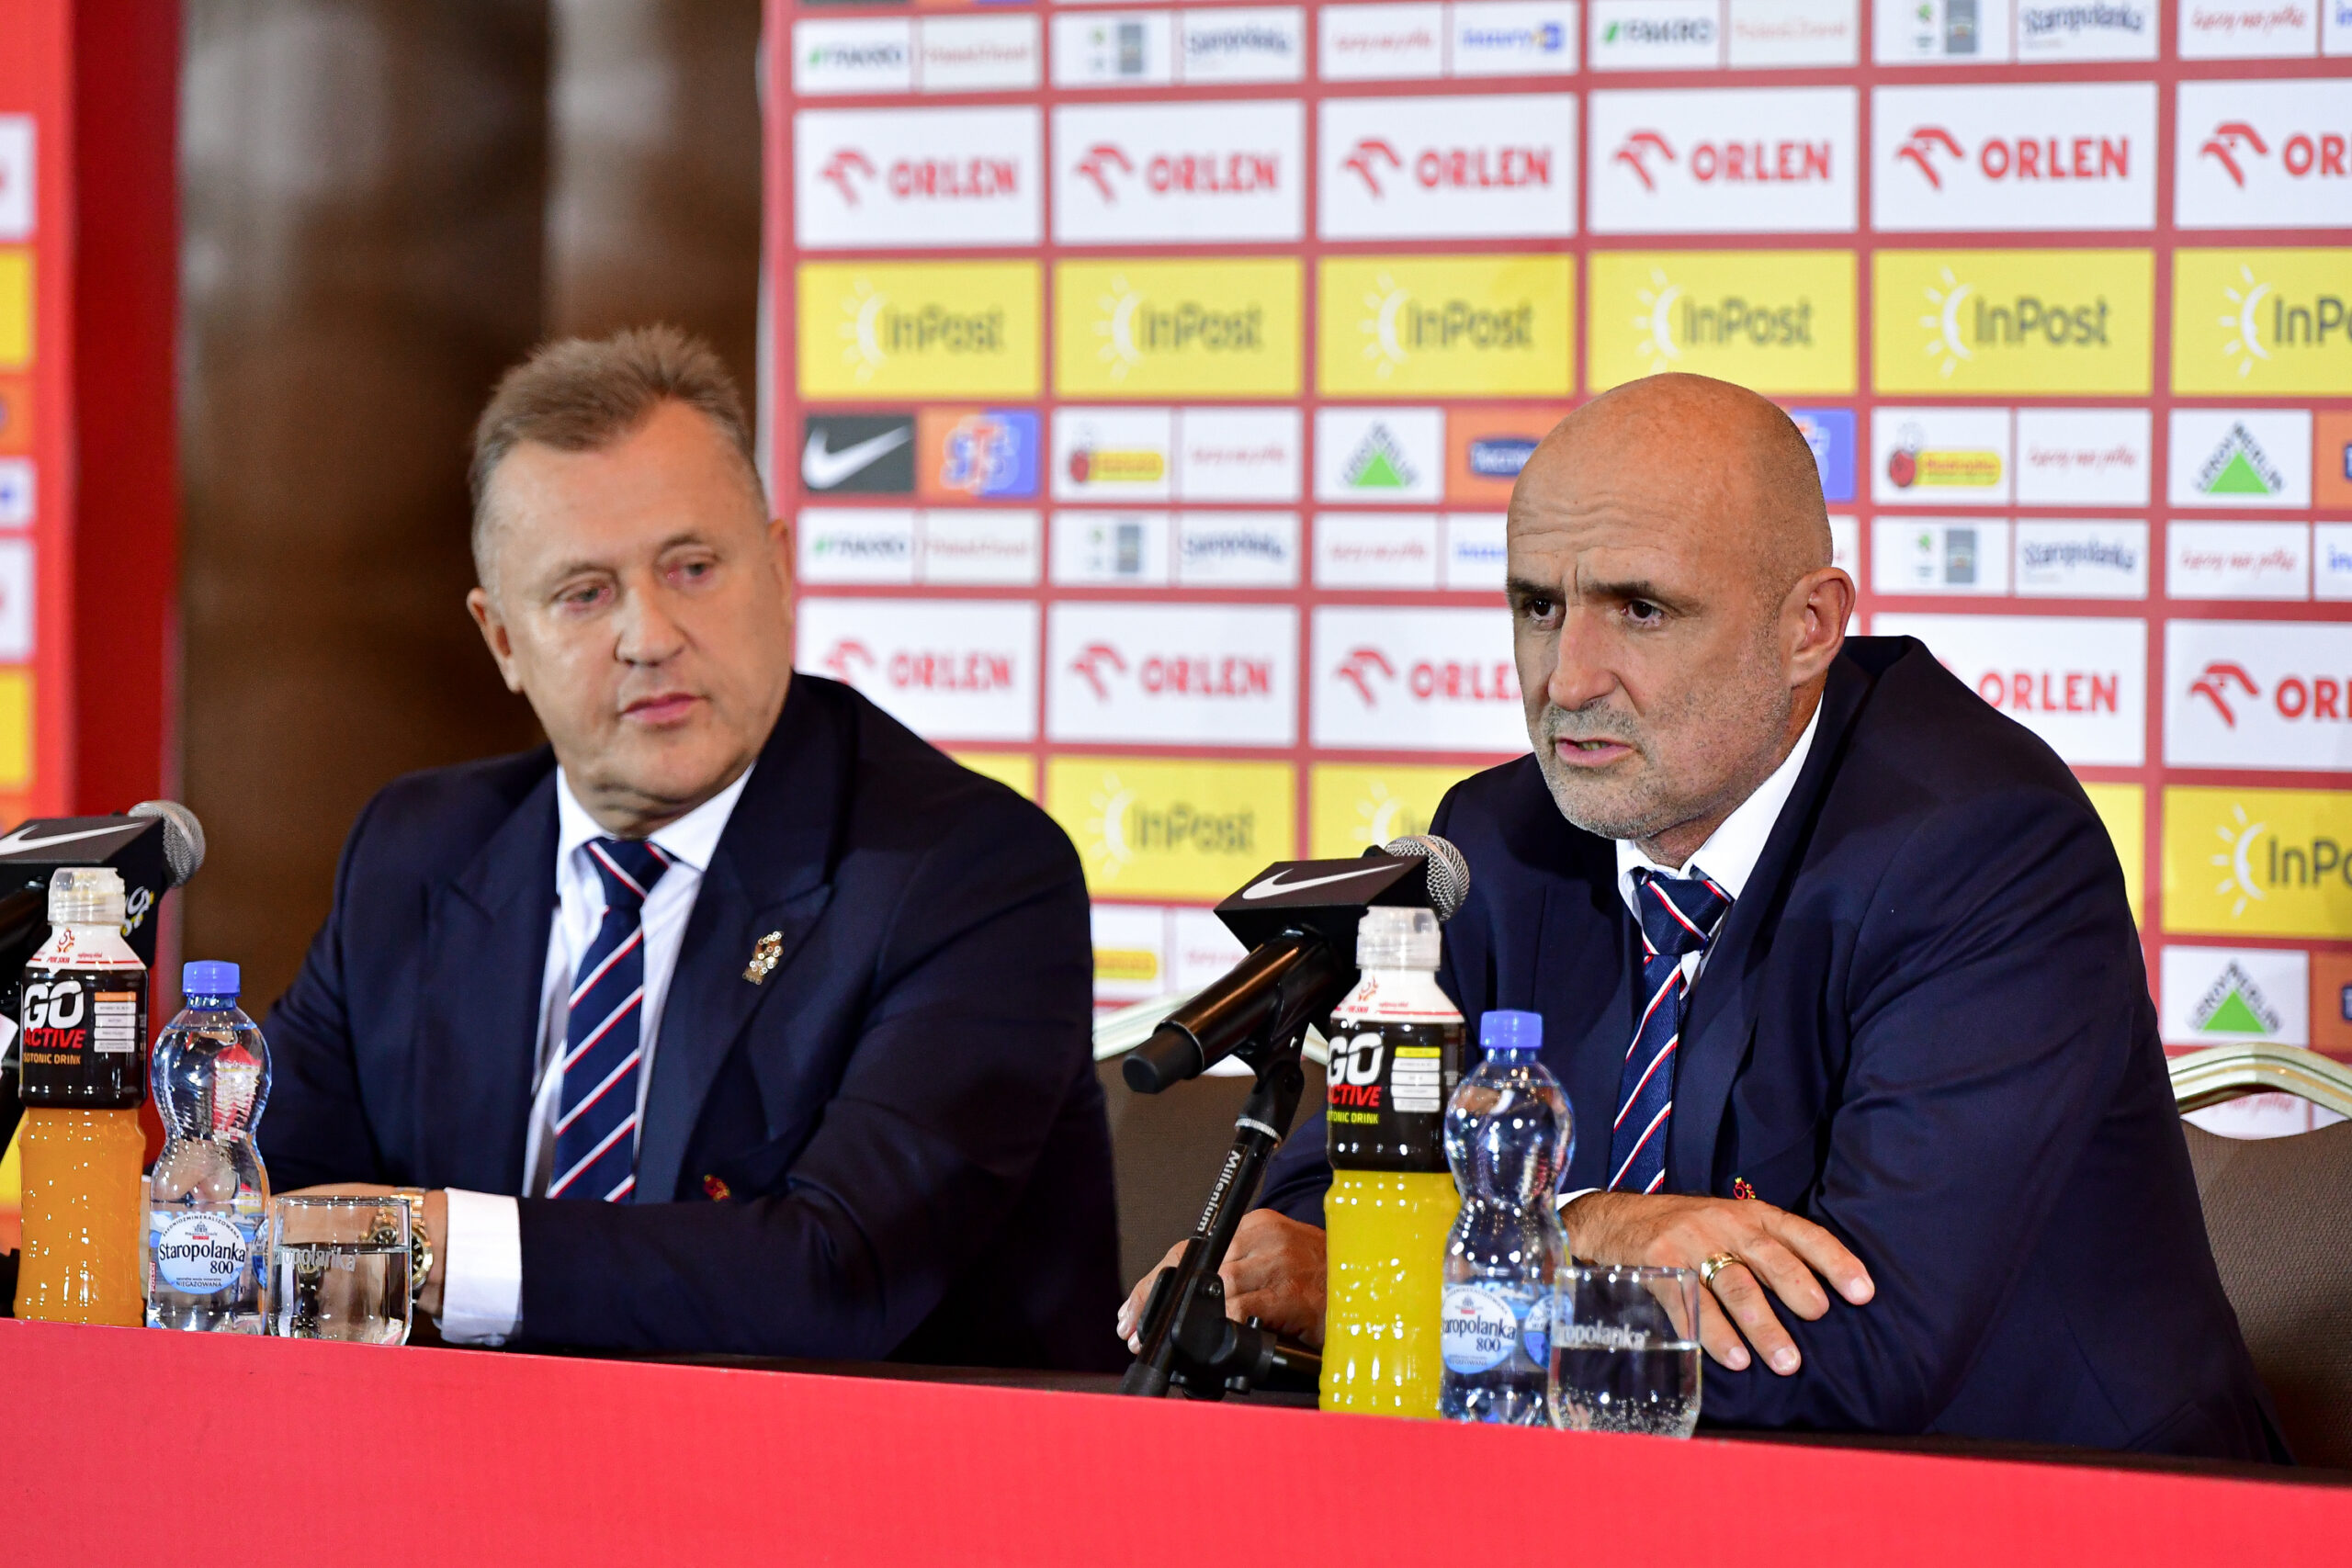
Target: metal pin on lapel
{"points": [[764, 954]]}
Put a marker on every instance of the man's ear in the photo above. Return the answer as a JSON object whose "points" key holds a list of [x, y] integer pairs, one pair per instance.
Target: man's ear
{"points": [[1819, 604], [494, 635], [780, 543]]}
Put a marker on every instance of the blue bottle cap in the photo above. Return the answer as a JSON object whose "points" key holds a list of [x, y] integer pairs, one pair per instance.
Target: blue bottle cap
{"points": [[1508, 1030], [208, 978]]}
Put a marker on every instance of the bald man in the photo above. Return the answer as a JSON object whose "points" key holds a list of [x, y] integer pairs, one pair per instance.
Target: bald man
{"points": [[1835, 965]]}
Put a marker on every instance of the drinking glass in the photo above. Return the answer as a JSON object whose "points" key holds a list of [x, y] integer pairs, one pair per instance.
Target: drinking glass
{"points": [[338, 1269], [1625, 1350]]}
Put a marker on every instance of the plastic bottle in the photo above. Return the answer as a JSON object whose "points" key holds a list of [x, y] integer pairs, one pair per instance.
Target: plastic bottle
{"points": [[83, 1072], [208, 1191], [1396, 1054], [1508, 1136]]}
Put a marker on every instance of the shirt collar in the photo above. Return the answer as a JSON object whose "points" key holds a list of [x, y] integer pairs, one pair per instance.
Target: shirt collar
{"points": [[692, 838], [1731, 852]]}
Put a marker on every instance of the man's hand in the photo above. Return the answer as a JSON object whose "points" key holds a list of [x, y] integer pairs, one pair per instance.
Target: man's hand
{"points": [[436, 1230], [1273, 1272], [1771, 1244]]}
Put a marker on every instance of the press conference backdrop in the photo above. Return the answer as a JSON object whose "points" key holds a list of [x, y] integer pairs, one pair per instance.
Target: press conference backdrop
{"points": [[1148, 386]]}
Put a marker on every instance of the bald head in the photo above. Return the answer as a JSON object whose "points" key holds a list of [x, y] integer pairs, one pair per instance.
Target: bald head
{"points": [[1675, 610]]}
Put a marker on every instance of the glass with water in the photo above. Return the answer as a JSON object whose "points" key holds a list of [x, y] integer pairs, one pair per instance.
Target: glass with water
{"points": [[1626, 1350], [338, 1269]]}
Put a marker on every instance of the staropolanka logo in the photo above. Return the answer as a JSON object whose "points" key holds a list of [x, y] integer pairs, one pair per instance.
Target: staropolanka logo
{"points": [[2285, 321], [1375, 161]]}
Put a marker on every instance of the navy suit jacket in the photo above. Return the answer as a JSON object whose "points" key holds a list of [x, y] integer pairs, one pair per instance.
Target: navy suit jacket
{"points": [[895, 1146], [1924, 1025]]}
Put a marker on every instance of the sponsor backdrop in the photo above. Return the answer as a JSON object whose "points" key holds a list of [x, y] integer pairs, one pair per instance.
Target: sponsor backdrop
{"points": [[1148, 386]]}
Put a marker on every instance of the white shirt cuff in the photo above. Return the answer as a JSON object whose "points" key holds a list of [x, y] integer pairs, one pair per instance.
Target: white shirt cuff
{"points": [[482, 1273], [1562, 1202]]}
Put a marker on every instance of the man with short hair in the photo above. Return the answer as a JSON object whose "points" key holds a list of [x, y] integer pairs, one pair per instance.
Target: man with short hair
{"points": [[735, 1018], [1835, 965]]}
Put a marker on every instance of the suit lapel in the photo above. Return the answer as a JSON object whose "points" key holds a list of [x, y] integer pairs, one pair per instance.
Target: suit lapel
{"points": [[1581, 958]]}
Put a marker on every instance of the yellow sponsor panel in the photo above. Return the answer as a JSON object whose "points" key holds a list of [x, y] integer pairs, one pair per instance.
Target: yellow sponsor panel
{"points": [[898, 329], [2124, 809], [16, 729], [1776, 322], [2262, 323], [2035, 322], [1125, 966], [1461, 326], [1350, 808], [1149, 828], [2258, 861], [16, 309], [1219, 326], [1016, 769]]}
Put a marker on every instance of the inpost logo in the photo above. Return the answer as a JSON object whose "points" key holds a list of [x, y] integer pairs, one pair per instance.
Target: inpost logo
{"points": [[2258, 861], [1148, 329], [1353, 808], [2038, 322], [1780, 322], [1486, 326], [2263, 323], [892, 330], [1173, 830]]}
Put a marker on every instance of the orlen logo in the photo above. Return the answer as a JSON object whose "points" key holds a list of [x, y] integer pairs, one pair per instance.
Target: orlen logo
{"points": [[921, 669], [1372, 675], [2321, 698], [1104, 669], [2235, 143], [1786, 162], [2001, 158], [847, 660], [852, 173], [1106, 166], [1449, 168]]}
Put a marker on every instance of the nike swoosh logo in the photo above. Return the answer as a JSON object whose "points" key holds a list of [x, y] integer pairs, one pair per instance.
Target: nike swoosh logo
{"points": [[822, 468], [1272, 885], [17, 840]]}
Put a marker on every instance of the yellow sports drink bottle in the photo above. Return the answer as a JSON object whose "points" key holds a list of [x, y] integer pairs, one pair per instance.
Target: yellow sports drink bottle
{"points": [[1396, 1055]]}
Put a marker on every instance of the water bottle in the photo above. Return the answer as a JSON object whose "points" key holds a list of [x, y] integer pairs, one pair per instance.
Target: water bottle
{"points": [[208, 1191], [1508, 1136]]}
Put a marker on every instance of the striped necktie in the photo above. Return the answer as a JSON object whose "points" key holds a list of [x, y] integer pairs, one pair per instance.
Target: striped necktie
{"points": [[1679, 916], [595, 1141]]}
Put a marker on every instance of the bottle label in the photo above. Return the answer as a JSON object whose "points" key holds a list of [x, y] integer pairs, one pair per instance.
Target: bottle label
{"points": [[1535, 1333], [1480, 1328], [85, 1037], [198, 1255], [1385, 1091]]}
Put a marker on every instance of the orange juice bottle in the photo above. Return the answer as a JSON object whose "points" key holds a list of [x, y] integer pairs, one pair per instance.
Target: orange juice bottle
{"points": [[82, 1054]]}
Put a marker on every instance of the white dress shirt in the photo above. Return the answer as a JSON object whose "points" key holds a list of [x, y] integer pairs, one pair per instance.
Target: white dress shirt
{"points": [[482, 1291]]}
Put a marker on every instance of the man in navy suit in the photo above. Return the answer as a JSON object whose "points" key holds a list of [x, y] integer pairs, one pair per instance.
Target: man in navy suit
{"points": [[1835, 965], [734, 1019]]}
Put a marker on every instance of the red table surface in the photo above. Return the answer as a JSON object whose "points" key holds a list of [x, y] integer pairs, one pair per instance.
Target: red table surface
{"points": [[136, 1446]]}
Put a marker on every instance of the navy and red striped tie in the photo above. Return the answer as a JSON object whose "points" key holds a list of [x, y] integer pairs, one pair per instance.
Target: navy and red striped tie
{"points": [[1679, 916], [595, 1129]]}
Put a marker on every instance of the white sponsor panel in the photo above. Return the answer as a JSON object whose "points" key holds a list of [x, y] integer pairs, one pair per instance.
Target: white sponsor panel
{"points": [[2258, 694], [1125, 550], [1416, 680], [2274, 154], [982, 547], [1173, 173], [16, 600], [1749, 160], [1936, 555], [1514, 37], [2249, 29], [15, 491], [1359, 549], [2083, 456], [2237, 560], [1238, 454], [1237, 549], [1846, 545], [2061, 155], [1655, 35], [1381, 43], [1492, 166], [2336, 27], [2331, 558], [947, 668], [18, 211], [979, 54], [839, 544], [1476, 556], [1940, 32], [2081, 683], [1130, 952], [861, 54], [1941, 456], [1253, 43], [1172, 674], [1379, 454], [935, 178], [2082, 560], [2236, 996], [1791, 32], [2086, 29], [1114, 455], [1200, 950], [1114, 49], [2241, 458]]}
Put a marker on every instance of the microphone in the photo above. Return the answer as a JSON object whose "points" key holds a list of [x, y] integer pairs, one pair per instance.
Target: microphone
{"points": [[184, 837], [1298, 918]]}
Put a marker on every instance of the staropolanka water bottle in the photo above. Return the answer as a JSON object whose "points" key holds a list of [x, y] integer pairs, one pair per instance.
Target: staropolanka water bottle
{"points": [[1507, 1135], [208, 1194], [1396, 1053], [84, 1074]]}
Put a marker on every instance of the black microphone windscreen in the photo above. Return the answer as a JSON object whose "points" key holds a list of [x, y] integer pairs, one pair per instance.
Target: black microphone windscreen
{"points": [[183, 836], [1448, 876]]}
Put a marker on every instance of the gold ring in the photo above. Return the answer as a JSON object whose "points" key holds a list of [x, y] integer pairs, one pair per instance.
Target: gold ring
{"points": [[1715, 1265]]}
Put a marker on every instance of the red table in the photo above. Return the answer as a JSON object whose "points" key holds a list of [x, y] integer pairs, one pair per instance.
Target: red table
{"points": [[350, 1455]]}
